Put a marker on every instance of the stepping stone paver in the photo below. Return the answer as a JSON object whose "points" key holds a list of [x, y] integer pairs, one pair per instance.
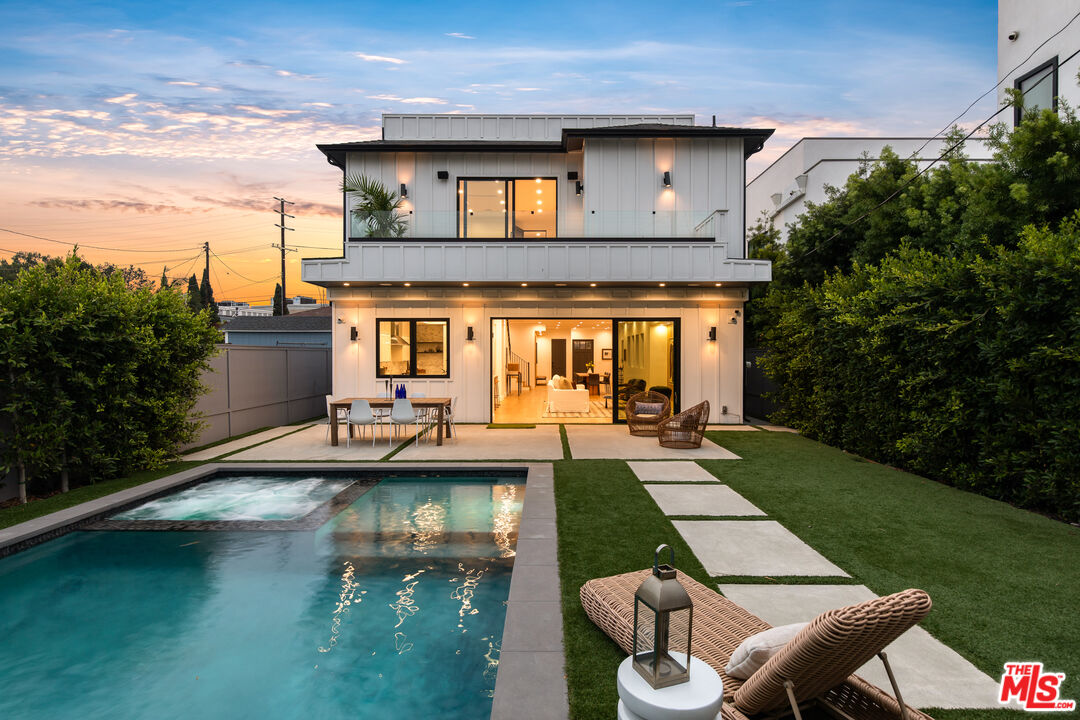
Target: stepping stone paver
{"points": [[930, 674], [701, 500], [671, 471], [752, 547]]}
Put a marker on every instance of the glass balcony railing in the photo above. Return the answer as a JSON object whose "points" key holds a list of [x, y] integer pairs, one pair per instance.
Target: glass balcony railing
{"points": [[540, 225]]}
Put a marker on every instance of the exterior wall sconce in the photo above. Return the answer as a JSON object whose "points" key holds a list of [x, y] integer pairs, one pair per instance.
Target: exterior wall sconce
{"points": [[735, 318], [404, 191], [667, 178], [663, 616], [469, 336], [711, 337], [578, 188], [443, 174], [353, 334]]}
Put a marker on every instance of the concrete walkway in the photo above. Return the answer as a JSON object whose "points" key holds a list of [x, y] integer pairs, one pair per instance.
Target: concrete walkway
{"points": [[930, 674], [239, 444], [476, 442]]}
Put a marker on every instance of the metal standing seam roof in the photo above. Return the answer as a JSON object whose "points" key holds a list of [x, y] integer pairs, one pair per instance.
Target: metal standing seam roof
{"points": [[572, 139]]}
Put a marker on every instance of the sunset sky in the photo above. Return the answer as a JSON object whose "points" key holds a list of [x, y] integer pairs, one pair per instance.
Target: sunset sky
{"points": [[149, 128]]}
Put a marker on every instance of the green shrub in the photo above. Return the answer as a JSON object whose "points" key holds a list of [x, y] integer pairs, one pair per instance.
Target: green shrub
{"points": [[99, 377], [962, 368]]}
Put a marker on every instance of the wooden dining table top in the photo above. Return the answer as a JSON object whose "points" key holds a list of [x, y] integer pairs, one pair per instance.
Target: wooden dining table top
{"points": [[378, 402]]}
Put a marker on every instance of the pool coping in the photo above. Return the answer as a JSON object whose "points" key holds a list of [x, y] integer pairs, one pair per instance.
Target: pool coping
{"points": [[531, 681]]}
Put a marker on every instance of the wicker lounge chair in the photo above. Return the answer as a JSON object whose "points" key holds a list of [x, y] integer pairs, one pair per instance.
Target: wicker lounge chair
{"points": [[686, 429], [814, 668], [644, 423]]}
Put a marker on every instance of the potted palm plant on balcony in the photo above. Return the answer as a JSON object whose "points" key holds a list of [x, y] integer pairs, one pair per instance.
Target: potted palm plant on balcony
{"points": [[375, 206]]}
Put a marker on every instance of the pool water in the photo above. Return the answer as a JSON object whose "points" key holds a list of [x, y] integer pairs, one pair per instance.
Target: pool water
{"points": [[242, 498], [394, 608]]}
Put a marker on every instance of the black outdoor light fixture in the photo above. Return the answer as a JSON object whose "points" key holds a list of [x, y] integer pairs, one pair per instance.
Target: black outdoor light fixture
{"points": [[469, 335], [443, 174], [578, 188], [711, 337], [667, 178], [572, 175], [353, 334], [663, 618], [404, 191]]}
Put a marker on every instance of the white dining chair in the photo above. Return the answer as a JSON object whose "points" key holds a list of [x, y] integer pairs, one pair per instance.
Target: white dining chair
{"points": [[448, 420], [403, 413], [360, 415]]}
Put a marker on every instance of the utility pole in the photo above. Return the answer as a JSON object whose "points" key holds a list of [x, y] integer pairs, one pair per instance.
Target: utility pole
{"points": [[206, 251], [283, 214]]}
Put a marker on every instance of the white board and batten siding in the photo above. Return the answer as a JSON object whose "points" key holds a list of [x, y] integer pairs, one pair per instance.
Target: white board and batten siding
{"points": [[507, 127], [625, 196]]}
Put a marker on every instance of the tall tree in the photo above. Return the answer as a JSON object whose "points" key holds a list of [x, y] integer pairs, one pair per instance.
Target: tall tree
{"points": [[194, 296], [279, 301], [164, 279], [206, 293]]}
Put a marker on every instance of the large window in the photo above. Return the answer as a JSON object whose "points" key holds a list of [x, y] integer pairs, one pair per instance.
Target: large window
{"points": [[413, 348], [507, 207], [1039, 88]]}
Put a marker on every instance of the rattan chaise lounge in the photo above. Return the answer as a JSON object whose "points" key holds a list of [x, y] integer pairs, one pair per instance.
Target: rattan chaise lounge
{"points": [[815, 668]]}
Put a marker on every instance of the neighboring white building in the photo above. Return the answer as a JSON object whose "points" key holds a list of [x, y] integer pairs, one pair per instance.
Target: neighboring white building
{"points": [[801, 174], [237, 308], [539, 244], [1051, 71]]}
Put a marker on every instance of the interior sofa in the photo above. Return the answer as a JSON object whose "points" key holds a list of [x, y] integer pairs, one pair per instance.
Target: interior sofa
{"points": [[563, 396]]}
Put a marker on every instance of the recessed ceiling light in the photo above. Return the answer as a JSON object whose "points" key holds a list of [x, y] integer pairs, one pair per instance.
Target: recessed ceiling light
{"points": [[460, 192], [537, 179], [408, 284], [663, 284], [465, 284], [524, 284], [386, 284], [719, 285], [345, 284], [539, 210], [539, 192], [592, 284]]}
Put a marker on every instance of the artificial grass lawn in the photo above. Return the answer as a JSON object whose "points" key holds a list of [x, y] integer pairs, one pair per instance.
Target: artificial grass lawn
{"points": [[1004, 581], [38, 508]]}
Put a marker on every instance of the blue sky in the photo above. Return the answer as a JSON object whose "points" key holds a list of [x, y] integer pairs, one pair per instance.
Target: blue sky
{"points": [[148, 124]]}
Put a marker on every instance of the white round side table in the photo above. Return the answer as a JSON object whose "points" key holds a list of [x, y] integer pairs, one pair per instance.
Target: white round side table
{"points": [[698, 699]]}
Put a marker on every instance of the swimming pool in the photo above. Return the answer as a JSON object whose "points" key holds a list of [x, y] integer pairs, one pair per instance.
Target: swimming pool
{"points": [[393, 606]]}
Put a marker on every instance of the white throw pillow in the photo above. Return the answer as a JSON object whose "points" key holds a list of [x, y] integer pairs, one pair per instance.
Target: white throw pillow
{"points": [[756, 650]]}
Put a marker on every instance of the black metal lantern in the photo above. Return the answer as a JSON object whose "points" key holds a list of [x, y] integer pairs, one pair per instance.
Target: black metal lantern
{"points": [[663, 619]]}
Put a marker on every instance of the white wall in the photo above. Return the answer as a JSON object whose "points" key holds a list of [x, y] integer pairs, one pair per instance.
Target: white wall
{"points": [[709, 371], [1035, 21], [624, 194]]}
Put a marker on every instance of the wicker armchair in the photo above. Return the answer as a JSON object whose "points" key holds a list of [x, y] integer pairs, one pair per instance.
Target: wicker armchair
{"points": [[686, 429], [644, 423]]}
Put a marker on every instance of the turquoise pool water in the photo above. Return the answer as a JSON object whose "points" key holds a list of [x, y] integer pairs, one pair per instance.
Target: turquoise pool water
{"points": [[392, 609]]}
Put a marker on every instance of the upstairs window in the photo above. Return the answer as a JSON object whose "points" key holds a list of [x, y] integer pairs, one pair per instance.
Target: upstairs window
{"points": [[507, 207], [1040, 90]]}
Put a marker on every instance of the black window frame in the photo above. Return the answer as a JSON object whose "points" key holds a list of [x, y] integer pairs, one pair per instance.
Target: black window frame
{"points": [[1052, 64], [413, 342], [461, 228]]}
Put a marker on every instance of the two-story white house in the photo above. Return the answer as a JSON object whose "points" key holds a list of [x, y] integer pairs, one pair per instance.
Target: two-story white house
{"points": [[606, 249]]}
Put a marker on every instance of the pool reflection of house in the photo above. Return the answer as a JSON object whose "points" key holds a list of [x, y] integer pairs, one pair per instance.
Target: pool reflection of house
{"points": [[605, 248]]}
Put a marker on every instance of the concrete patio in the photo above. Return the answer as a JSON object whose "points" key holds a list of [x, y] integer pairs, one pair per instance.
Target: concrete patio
{"points": [[589, 442]]}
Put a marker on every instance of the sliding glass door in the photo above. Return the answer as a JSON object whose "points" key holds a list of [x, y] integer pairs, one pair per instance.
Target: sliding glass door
{"points": [[646, 358], [507, 207]]}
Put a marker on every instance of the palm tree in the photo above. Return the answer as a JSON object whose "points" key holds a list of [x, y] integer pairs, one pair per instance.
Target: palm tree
{"points": [[375, 206]]}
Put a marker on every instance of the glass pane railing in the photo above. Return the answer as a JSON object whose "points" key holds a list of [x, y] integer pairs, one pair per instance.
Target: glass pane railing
{"points": [[539, 227]]}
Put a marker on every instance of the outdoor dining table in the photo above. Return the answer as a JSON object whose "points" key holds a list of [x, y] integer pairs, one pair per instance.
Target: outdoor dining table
{"points": [[442, 404]]}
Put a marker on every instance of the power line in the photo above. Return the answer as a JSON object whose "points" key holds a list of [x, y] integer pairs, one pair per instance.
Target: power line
{"points": [[998, 83], [922, 172], [94, 247], [227, 267]]}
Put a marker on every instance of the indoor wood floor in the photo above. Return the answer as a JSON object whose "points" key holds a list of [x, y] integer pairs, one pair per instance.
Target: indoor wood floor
{"points": [[529, 408]]}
